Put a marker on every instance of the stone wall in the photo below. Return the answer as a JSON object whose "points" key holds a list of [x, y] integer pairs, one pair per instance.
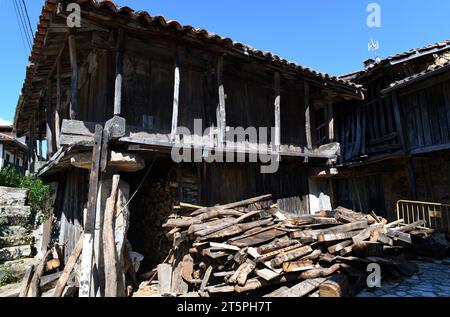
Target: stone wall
{"points": [[16, 238]]}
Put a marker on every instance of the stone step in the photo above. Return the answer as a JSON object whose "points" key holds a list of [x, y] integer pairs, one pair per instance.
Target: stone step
{"points": [[16, 240], [15, 253], [11, 196], [14, 216]]}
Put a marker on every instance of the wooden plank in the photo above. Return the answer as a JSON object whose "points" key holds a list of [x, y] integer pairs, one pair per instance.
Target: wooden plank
{"points": [[307, 115], [259, 238], [110, 256], [36, 279], [119, 72], [398, 121], [277, 110], [299, 290], [298, 266], [322, 272], [25, 286], [398, 235], [347, 227], [77, 127], [242, 203], [61, 284], [206, 278], [328, 237], [89, 226], [165, 279], [338, 247], [74, 77], [221, 112], [267, 274], [293, 255], [330, 118], [176, 96], [276, 245], [271, 255], [223, 246]]}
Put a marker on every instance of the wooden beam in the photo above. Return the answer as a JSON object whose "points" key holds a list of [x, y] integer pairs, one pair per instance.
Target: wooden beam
{"points": [[176, 96], [58, 104], [89, 226], [48, 113], [74, 77], [71, 262], [119, 73], [307, 116], [398, 121], [412, 180], [330, 118], [221, 112], [277, 111]]}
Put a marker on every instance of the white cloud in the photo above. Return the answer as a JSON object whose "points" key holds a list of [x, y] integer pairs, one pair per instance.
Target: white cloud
{"points": [[5, 122]]}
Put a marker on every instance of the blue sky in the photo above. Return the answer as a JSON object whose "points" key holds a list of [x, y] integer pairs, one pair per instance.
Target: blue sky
{"points": [[327, 35]]}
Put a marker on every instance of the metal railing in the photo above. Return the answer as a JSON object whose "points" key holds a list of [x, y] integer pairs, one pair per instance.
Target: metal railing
{"points": [[436, 216]]}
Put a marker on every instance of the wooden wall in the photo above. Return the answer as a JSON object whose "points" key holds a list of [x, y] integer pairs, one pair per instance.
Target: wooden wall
{"points": [[427, 115]]}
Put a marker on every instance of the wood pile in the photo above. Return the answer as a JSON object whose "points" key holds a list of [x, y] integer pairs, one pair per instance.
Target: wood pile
{"points": [[246, 248]]}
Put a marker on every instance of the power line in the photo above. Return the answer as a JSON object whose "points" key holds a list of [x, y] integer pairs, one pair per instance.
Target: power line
{"points": [[29, 32], [28, 18], [24, 42]]}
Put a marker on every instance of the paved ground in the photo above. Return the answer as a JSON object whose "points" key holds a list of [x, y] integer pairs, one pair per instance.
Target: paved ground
{"points": [[433, 280]]}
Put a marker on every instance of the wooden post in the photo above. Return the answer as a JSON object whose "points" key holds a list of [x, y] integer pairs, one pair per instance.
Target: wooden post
{"points": [[221, 112], [119, 73], [277, 111], [176, 96], [307, 116], [109, 248], [74, 78], [330, 119], [58, 103], [89, 225], [48, 112]]}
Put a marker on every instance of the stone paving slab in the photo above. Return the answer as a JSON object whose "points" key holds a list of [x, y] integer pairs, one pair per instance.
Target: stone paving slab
{"points": [[432, 280]]}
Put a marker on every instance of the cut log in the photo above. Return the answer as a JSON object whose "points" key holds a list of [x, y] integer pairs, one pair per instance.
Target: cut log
{"points": [[236, 229], [187, 268], [263, 236], [412, 226], [242, 273], [335, 286]]}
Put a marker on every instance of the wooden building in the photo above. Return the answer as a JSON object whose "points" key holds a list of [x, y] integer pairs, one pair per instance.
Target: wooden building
{"points": [[109, 95], [396, 143], [13, 152]]}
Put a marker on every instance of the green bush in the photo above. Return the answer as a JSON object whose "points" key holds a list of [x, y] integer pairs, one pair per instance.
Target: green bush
{"points": [[7, 276], [38, 193]]}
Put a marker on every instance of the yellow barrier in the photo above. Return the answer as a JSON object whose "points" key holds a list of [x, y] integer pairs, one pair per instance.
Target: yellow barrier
{"points": [[437, 216]]}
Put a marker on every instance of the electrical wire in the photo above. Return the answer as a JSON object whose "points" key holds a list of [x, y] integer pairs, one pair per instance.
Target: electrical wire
{"points": [[28, 18], [24, 41], [28, 32]]}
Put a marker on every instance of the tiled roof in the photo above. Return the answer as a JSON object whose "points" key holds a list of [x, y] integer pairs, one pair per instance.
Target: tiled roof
{"points": [[145, 19], [432, 70]]}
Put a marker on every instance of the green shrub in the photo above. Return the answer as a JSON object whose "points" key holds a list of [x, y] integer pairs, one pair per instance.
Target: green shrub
{"points": [[38, 193], [7, 276]]}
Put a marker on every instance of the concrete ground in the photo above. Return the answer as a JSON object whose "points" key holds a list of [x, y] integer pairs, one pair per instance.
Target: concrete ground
{"points": [[433, 280]]}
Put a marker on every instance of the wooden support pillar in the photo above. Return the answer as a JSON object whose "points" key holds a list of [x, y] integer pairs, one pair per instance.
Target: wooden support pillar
{"points": [[58, 103], [89, 225], [277, 111], [221, 112], [119, 73], [48, 115], [307, 115], [176, 96], [74, 77], [330, 118]]}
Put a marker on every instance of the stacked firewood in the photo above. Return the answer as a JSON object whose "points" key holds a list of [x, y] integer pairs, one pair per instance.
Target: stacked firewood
{"points": [[246, 248]]}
